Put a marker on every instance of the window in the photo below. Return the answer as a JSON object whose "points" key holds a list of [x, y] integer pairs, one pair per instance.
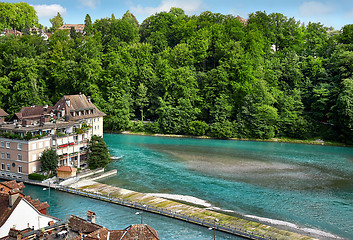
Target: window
{"points": [[19, 169], [34, 157], [40, 145], [8, 167], [8, 156], [19, 157], [95, 127], [94, 120], [2, 144], [54, 142], [46, 143], [2, 166], [34, 146], [2, 155], [19, 146], [34, 169], [7, 144]]}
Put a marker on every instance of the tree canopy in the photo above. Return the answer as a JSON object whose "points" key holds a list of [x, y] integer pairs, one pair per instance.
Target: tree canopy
{"points": [[211, 74], [98, 153], [49, 160]]}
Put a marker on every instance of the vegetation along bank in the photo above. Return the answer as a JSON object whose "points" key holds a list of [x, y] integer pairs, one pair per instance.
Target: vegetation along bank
{"points": [[218, 75]]}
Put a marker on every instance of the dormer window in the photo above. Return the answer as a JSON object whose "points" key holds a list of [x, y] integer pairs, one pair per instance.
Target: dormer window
{"points": [[68, 102]]}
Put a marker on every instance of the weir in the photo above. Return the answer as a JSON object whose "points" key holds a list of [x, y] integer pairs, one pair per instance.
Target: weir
{"points": [[167, 213]]}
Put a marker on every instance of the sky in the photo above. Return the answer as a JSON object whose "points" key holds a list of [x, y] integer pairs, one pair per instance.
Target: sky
{"points": [[330, 13]]}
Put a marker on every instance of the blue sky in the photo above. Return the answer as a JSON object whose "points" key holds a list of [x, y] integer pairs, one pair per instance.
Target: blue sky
{"points": [[335, 13]]}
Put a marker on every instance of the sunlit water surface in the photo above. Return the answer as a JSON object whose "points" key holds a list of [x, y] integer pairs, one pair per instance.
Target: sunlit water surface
{"points": [[311, 186]]}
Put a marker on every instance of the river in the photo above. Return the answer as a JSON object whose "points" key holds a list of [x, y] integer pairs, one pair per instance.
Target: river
{"points": [[310, 186]]}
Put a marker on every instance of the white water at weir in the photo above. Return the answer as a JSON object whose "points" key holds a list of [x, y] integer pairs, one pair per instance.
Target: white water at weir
{"points": [[261, 179]]}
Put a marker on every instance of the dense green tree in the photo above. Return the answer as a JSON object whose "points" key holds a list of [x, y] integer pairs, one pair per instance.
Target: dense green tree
{"points": [[203, 74], [129, 17], [98, 155], [88, 25], [141, 100], [16, 15], [49, 161], [56, 22]]}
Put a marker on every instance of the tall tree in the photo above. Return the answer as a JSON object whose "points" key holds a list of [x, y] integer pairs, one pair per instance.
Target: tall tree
{"points": [[99, 155], [141, 100], [49, 160], [56, 22], [88, 25]]}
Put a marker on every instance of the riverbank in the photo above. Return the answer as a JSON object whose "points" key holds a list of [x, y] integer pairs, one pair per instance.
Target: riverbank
{"points": [[200, 209], [281, 140]]}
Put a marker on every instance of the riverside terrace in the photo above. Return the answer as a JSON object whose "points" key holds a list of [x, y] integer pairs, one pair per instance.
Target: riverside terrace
{"points": [[67, 127]]}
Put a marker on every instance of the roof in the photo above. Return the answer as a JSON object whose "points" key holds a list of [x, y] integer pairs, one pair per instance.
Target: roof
{"points": [[3, 113], [80, 225], [80, 27], [13, 184], [33, 112], [137, 230], [66, 169], [75, 103], [11, 31], [242, 20]]}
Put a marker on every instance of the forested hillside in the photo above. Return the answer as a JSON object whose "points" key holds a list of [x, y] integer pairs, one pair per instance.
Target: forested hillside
{"points": [[199, 75]]}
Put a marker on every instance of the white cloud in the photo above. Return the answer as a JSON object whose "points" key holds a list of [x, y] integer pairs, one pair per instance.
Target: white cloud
{"points": [[49, 10], [90, 3], [189, 6], [314, 8]]}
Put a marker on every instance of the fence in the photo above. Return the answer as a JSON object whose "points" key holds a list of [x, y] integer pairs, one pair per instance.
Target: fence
{"points": [[165, 212]]}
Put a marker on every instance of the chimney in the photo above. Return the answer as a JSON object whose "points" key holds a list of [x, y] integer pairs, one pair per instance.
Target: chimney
{"points": [[15, 234], [91, 217], [13, 195]]}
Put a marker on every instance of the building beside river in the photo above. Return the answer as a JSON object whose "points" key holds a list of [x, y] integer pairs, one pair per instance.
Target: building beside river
{"points": [[67, 127]]}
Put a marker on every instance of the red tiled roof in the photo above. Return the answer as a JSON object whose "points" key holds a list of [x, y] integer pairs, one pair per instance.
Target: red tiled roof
{"points": [[66, 169], [13, 184], [3, 113]]}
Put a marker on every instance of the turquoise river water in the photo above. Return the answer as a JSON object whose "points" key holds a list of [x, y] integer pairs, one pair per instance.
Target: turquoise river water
{"points": [[296, 185]]}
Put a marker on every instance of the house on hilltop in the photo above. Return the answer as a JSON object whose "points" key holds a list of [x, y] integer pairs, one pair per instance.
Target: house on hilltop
{"points": [[79, 28]]}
